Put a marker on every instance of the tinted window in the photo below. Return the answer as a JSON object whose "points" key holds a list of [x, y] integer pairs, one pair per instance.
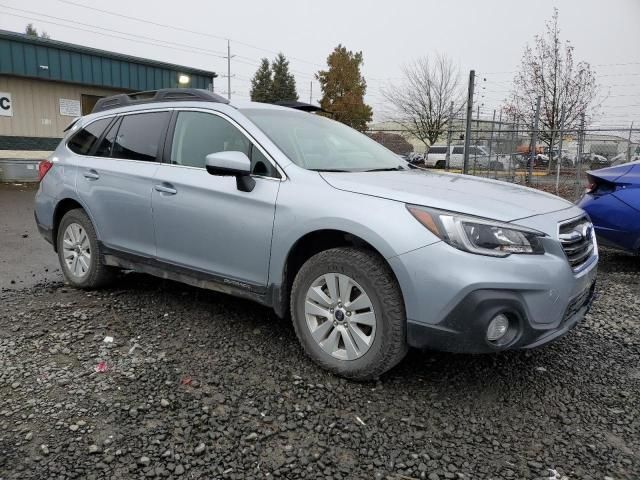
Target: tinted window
{"points": [[82, 142], [438, 150], [106, 145], [458, 150], [140, 136], [198, 134]]}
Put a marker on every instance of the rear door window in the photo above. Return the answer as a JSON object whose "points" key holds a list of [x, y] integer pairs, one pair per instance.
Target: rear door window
{"points": [[83, 141], [458, 150], [106, 145], [140, 136]]}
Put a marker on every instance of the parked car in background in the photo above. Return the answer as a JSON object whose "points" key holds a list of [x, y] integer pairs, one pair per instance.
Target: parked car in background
{"points": [[623, 158], [612, 200], [478, 155], [540, 160], [415, 158], [564, 156], [593, 160], [366, 254]]}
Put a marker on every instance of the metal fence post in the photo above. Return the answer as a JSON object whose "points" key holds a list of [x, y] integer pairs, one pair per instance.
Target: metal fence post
{"points": [[514, 140], [449, 134], [475, 148], [498, 146], [467, 134], [629, 143], [559, 160], [534, 142], [580, 155], [493, 126]]}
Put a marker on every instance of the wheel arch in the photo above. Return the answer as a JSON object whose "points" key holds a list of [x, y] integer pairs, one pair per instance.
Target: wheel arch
{"points": [[63, 206], [310, 244]]}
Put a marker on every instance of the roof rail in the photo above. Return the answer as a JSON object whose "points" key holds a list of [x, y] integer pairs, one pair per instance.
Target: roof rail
{"points": [[153, 96], [305, 107]]}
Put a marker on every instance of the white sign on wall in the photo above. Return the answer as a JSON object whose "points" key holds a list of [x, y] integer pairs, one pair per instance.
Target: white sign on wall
{"points": [[70, 108], [6, 106]]}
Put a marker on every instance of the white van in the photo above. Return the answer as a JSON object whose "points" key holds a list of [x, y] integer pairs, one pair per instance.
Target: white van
{"points": [[437, 156]]}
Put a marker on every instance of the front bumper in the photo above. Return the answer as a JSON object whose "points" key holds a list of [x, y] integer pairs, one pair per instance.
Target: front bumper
{"points": [[464, 329], [451, 296]]}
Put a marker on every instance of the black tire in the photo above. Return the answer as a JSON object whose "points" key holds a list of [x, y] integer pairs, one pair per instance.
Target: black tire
{"points": [[368, 269], [98, 274]]}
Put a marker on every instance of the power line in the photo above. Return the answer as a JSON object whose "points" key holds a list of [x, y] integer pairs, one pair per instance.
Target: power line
{"points": [[182, 29], [99, 33], [212, 52]]}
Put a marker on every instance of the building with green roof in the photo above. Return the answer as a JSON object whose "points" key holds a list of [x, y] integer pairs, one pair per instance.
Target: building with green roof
{"points": [[45, 83]]}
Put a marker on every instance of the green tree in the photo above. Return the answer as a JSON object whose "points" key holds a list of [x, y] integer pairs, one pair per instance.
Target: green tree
{"points": [[284, 83], [343, 88], [262, 83], [32, 31]]}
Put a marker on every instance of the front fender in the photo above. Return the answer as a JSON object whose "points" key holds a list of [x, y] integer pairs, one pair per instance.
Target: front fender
{"points": [[384, 224]]}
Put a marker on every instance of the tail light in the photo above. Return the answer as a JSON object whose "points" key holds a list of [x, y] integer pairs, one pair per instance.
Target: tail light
{"points": [[599, 186], [43, 168]]}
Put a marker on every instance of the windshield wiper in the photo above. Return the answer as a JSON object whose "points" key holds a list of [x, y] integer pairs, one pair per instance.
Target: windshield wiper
{"points": [[329, 170], [388, 169]]}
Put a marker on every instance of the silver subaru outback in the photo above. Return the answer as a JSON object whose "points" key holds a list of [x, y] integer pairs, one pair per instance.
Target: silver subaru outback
{"points": [[367, 254]]}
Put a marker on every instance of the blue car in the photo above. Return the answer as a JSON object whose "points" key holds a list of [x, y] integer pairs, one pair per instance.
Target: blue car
{"points": [[612, 200]]}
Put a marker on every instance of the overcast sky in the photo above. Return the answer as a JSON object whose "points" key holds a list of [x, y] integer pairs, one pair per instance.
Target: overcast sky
{"points": [[487, 35]]}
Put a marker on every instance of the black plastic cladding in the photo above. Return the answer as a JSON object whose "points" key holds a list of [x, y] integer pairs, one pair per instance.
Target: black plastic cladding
{"points": [[154, 96]]}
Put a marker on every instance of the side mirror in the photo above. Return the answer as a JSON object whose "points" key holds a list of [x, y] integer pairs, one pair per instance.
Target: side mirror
{"points": [[232, 164]]}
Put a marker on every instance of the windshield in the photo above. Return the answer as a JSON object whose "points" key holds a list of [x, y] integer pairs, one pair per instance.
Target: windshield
{"points": [[317, 143]]}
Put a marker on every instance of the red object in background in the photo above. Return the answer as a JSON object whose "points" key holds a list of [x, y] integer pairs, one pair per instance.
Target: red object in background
{"points": [[186, 380], [43, 167], [102, 366]]}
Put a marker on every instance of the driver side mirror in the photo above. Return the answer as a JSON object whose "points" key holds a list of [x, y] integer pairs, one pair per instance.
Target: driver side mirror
{"points": [[232, 164]]}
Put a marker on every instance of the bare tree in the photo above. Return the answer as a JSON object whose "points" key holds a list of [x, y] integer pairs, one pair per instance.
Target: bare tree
{"points": [[421, 102], [548, 70]]}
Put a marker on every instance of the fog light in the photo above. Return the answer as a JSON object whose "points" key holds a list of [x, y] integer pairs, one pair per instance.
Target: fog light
{"points": [[497, 327]]}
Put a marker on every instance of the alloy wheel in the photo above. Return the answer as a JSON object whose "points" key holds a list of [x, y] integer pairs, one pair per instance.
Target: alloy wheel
{"points": [[76, 250], [340, 316]]}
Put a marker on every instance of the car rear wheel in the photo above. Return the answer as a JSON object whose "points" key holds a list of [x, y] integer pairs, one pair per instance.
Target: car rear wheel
{"points": [[348, 313], [79, 252]]}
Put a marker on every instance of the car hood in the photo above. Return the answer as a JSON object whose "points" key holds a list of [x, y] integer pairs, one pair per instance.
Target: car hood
{"points": [[459, 193]]}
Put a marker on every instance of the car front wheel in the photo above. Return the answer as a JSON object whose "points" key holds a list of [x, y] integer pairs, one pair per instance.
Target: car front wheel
{"points": [[348, 313]]}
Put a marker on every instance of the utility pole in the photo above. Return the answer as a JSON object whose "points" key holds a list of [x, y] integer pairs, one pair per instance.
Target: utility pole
{"points": [[467, 134], [447, 158], [534, 141], [493, 125], [629, 143], [559, 160], [311, 92]]}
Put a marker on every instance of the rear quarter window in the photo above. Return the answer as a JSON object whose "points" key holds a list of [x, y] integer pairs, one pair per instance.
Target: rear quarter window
{"points": [[83, 141]]}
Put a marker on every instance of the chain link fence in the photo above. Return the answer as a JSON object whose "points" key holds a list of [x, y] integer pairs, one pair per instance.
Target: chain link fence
{"points": [[506, 151]]}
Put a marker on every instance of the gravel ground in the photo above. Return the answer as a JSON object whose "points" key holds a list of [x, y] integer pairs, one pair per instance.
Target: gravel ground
{"points": [[193, 384]]}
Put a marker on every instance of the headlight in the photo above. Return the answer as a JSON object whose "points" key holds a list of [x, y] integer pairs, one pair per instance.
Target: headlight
{"points": [[479, 235]]}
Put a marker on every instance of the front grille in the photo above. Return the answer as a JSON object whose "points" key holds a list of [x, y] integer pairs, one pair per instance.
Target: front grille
{"points": [[576, 237]]}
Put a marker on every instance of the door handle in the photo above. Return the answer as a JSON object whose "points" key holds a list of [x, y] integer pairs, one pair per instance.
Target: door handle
{"points": [[91, 175], [166, 189]]}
